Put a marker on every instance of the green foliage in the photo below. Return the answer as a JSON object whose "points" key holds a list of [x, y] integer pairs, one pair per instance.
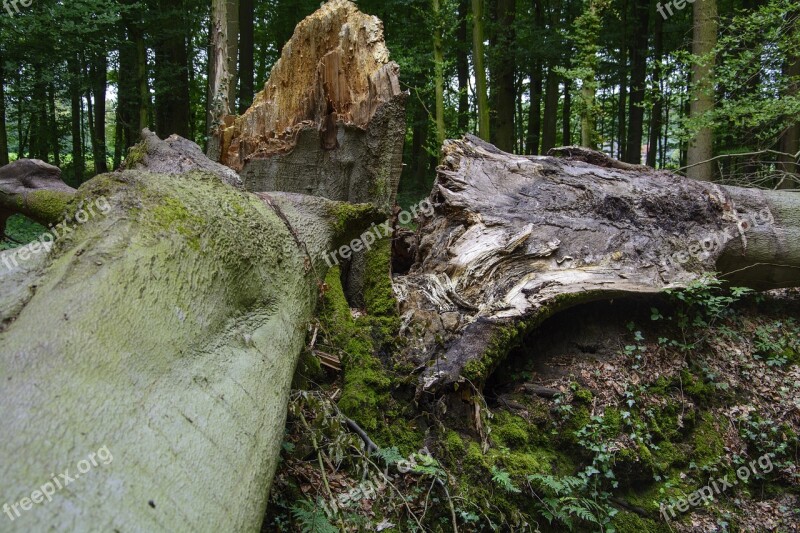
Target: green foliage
{"points": [[503, 480], [22, 230], [311, 518]]}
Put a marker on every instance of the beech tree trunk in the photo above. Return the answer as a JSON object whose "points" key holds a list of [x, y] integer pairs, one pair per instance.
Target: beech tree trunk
{"points": [[704, 39], [165, 328]]}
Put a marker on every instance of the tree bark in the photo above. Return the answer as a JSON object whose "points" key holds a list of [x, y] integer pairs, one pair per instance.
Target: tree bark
{"points": [[99, 69], [639, 53], [462, 66], [503, 76], [246, 54], [3, 131], [790, 139], [438, 69], [78, 164], [704, 39], [516, 239], [656, 118], [480, 69], [550, 120], [171, 70]]}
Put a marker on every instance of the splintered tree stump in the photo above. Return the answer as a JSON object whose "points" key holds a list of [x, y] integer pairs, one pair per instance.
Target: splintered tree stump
{"points": [[514, 239], [331, 119]]}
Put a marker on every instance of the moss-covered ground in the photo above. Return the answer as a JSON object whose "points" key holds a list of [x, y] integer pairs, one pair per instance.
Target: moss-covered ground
{"points": [[701, 387]]}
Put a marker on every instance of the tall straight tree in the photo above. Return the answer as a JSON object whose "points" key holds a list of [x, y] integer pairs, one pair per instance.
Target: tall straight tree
{"points": [[638, 54], [98, 76], [74, 72], [3, 131], [790, 138], [480, 69], [171, 69], [656, 119], [503, 75], [438, 68], [587, 33], [246, 54], [704, 40], [462, 66]]}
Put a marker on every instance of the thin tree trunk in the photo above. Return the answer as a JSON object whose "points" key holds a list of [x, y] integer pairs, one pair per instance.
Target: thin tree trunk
{"points": [[480, 69], [704, 39], [656, 118], [78, 164], [55, 141], [171, 72], [246, 54], [98, 76], [550, 119], [639, 51], [534, 110], [232, 19], [790, 139], [3, 131], [503, 88], [566, 115], [438, 68], [462, 66]]}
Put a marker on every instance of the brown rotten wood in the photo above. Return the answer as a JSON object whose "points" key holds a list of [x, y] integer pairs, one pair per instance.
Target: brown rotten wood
{"points": [[515, 239], [331, 119]]}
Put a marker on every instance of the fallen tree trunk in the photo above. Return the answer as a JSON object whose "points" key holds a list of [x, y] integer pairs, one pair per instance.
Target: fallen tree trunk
{"points": [[164, 328], [515, 239]]}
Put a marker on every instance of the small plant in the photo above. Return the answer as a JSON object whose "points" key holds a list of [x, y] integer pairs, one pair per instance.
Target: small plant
{"points": [[311, 518], [503, 480]]}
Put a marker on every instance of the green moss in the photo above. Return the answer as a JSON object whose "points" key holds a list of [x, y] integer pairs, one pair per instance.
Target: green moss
{"points": [[509, 430], [612, 420], [365, 391], [627, 522], [503, 339], [701, 391], [136, 155], [351, 219], [521, 464], [583, 395], [475, 458], [454, 444], [171, 214], [48, 205], [708, 446]]}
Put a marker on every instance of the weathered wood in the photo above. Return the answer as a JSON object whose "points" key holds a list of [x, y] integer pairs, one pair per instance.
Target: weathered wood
{"points": [[331, 119], [514, 239]]}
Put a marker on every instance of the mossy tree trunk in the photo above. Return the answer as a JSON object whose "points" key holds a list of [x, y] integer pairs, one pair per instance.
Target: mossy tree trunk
{"points": [[165, 328]]}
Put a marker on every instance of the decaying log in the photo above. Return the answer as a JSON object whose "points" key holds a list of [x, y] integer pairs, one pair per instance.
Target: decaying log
{"points": [[331, 119], [167, 331], [515, 239]]}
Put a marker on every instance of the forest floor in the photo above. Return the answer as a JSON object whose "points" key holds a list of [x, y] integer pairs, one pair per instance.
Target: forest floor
{"points": [[609, 417]]}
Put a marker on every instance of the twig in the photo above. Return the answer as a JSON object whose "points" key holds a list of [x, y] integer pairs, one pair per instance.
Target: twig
{"points": [[355, 428]]}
